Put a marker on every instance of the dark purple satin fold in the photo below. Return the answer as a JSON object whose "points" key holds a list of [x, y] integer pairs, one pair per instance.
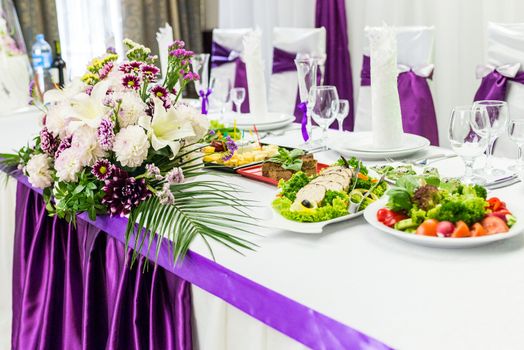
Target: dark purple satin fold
{"points": [[221, 55], [494, 86], [284, 61], [416, 102], [72, 289], [331, 14]]}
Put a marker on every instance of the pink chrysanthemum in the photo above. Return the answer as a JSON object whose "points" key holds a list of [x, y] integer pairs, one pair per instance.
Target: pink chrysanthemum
{"points": [[102, 169], [131, 81], [150, 72]]}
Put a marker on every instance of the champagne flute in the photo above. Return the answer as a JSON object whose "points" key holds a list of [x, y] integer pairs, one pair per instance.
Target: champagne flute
{"points": [[220, 97], [343, 111], [469, 137], [307, 73], [516, 134], [323, 103], [238, 95], [498, 116]]}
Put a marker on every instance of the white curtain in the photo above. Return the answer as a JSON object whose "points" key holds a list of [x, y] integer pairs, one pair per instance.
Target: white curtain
{"points": [[460, 35], [87, 28]]}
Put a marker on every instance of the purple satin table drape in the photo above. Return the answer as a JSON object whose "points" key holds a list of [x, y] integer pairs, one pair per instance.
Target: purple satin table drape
{"points": [[73, 290], [416, 102], [331, 14], [221, 55], [494, 86]]}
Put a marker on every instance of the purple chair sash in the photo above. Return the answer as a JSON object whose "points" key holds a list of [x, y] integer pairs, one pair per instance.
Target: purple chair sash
{"points": [[494, 86], [416, 102], [221, 55]]}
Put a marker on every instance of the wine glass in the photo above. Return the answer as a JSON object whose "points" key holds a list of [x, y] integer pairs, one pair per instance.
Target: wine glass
{"points": [[469, 137], [323, 103], [220, 97], [498, 116], [238, 95], [516, 134], [307, 73], [343, 111]]}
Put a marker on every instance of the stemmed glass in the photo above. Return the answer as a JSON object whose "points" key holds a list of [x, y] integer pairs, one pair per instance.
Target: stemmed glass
{"points": [[516, 134], [238, 95], [469, 137], [498, 116], [199, 63], [343, 111], [323, 103], [220, 97], [307, 79]]}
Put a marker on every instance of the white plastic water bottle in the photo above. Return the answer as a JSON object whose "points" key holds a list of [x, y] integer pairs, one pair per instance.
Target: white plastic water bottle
{"points": [[42, 58]]}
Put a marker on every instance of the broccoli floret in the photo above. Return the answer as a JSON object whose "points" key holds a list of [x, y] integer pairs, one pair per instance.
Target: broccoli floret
{"points": [[460, 208], [426, 197], [417, 215], [481, 191]]}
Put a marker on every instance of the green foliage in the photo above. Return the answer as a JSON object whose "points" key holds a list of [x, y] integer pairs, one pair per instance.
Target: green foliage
{"points": [[459, 208], [339, 207], [290, 187], [290, 160], [352, 162], [332, 195]]}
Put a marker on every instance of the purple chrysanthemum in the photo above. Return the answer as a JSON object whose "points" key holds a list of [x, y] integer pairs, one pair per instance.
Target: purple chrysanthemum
{"points": [[64, 144], [153, 171], [131, 81], [48, 143], [105, 70], [105, 134], [123, 193], [150, 72], [175, 176], [231, 148], [160, 92], [102, 169]]}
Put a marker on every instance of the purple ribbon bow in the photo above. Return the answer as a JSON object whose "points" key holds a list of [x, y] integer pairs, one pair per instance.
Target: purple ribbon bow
{"points": [[416, 102], [205, 99], [221, 55], [302, 107], [494, 85]]}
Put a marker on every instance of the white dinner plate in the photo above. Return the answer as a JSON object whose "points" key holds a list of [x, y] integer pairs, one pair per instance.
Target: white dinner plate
{"points": [[246, 121], [370, 214], [310, 228], [345, 145]]}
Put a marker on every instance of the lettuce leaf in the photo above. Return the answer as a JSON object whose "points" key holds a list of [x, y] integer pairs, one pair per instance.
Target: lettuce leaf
{"points": [[339, 207]]}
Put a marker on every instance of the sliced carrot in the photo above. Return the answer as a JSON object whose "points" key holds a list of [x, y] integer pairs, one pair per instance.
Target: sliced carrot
{"points": [[461, 230], [494, 224], [478, 230], [362, 176]]}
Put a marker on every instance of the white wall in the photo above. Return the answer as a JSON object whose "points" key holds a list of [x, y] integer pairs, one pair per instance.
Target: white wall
{"points": [[459, 30]]}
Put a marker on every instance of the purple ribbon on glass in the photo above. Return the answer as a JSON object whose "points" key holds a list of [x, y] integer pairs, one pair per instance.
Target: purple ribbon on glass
{"points": [[221, 55], [302, 107], [495, 79], [205, 99], [416, 101]]}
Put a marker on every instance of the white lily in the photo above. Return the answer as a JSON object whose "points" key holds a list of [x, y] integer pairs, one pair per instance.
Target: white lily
{"points": [[70, 90], [89, 109], [167, 127]]}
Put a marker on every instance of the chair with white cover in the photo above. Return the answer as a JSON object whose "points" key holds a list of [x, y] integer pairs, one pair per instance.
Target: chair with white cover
{"points": [[503, 74], [414, 57], [287, 43], [226, 63]]}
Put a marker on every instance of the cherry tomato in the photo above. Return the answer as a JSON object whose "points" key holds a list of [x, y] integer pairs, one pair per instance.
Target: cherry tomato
{"points": [[389, 217], [496, 204], [477, 230], [428, 228], [382, 214], [461, 230], [494, 224]]}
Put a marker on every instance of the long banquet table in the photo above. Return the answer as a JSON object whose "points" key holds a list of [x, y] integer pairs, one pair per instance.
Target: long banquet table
{"points": [[352, 287]]}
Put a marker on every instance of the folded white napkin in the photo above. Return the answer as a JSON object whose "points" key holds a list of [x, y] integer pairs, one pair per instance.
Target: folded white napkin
{"points": [[386, 118], [164, 37], [256, 81]]}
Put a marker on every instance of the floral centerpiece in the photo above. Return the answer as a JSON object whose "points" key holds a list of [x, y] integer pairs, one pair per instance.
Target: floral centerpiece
{"points": [[118, 141]]}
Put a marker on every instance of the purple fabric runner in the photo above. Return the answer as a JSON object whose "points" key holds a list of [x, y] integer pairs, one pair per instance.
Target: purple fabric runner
{"points": [[416, 102], [221, 55], [331, 14], [72, 289], [494, 86], [297, 321]]}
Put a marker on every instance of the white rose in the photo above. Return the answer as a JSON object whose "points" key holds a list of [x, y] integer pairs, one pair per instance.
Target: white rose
{"points": [[38, 171], [131, 146], [68, 165], [86, 145], [131, 109]]}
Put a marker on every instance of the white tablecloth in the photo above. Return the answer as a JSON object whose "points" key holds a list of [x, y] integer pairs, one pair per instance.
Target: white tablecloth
{"points": [[407, 296]]}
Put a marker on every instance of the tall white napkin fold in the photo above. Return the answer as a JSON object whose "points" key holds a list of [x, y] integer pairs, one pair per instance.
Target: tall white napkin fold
{"points": [[386, 117], [164, 37], [256, 81]]}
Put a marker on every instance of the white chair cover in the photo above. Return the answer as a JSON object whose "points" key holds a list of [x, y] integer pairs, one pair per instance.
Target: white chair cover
{"points": [[414, 50], [505, 45], [283, 86]]}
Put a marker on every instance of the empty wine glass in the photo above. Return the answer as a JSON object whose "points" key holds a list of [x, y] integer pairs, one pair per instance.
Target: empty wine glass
{"points": [[516, 134], [307, 73], [498, 116], [220, 97], [238, 95], [323, 103], [469, 137], [343, 111]]}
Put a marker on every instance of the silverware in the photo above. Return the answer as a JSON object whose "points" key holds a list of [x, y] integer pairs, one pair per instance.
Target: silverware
{"points": [[423, 161], [503, 182], [354, 207], [355, 177]]}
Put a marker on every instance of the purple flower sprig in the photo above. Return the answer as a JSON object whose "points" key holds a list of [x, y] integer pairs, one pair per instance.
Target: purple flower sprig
{"points": [[179, 68], [232, 147]]}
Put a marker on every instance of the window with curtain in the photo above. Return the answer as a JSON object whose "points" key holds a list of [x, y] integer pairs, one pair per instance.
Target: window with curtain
{"points": [[86, 29]]}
